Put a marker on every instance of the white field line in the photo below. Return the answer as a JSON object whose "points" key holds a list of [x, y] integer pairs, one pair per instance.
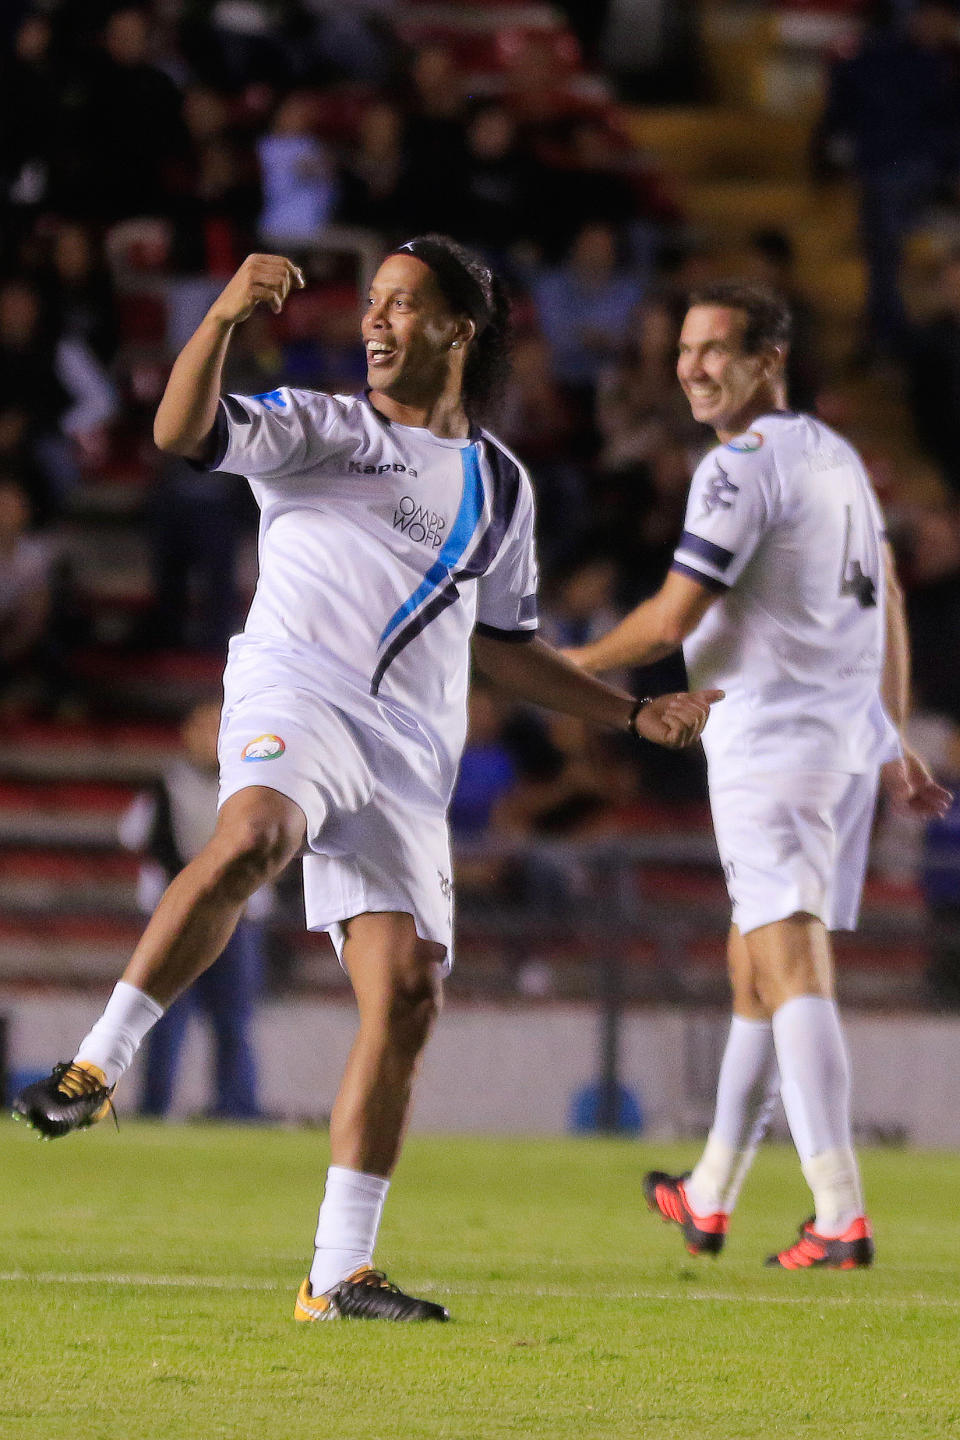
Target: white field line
{"points": [[510, 1289]]}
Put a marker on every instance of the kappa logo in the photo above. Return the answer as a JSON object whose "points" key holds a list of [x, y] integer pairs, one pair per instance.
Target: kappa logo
{"points": [[265, 747], [720, 492], [446, 885], [393, 467], [424, 526]]}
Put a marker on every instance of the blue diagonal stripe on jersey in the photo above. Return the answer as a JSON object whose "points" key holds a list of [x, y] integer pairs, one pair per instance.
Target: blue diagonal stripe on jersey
{"points": [[471, 506]]}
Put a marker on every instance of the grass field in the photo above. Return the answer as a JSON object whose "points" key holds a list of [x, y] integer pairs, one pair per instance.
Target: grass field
{"points": [[148, 1280]]}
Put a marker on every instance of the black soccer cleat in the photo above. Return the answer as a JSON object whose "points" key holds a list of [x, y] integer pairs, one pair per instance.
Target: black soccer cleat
{"points": [[853, 1250], [366, 1295], [72, 1097], [666, 1197]]}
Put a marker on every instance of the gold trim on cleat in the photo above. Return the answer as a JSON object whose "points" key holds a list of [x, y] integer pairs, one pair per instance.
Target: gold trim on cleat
{"points": [[309, 1307]]}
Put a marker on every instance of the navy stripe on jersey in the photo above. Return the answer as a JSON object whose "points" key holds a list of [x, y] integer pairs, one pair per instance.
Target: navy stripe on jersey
{"points": [[447, 597], [219, 437], [461, 533], [512, 637], [706, 549], [506, 491], [504, 496], [707, 581]]}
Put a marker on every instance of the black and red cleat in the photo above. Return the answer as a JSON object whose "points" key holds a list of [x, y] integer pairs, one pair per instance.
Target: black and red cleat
{"points": [[853, 1250], [666, 1196]]}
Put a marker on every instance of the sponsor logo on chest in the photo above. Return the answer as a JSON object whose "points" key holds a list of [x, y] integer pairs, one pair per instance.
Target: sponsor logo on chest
{"points": [[419, 524]]}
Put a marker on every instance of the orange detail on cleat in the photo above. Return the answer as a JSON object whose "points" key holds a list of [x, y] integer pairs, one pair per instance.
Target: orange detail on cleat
{"points": [[667, 1197], [852, 1250]]}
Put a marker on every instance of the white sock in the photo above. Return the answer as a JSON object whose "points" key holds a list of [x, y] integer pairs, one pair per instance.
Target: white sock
{"points": [[747, 1091], [347, 1227], [815, 1088], [117, 1035]]}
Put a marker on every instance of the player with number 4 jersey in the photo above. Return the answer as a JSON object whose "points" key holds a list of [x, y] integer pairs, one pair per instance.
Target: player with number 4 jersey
{"points": [[783, 524], [782, 592]]}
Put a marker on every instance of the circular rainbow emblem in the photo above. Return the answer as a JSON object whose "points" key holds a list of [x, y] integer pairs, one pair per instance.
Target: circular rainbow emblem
{"points": [[265, 747]]}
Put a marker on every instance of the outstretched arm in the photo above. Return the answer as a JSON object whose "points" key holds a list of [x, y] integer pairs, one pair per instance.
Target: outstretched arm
{"points": [[534, 671], [906, 780], [655, 629], [188, 410]]}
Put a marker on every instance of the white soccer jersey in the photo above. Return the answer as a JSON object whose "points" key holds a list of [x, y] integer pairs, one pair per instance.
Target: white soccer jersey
{"points": [[784, 524], [381, 546]]}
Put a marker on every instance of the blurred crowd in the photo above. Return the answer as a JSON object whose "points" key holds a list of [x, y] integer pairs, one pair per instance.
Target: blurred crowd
{"points": [[149, 147]]}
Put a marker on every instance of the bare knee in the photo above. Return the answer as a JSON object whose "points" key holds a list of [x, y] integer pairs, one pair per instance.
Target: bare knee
{"points": [[412, 1006], [789, 958], [250, 851]]}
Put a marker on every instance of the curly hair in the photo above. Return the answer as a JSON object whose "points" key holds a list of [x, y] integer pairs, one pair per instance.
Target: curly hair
{"points": [[471, 288]]}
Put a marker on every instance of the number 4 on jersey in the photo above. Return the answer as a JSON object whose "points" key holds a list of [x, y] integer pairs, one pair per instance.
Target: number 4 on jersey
{"points": [[853, 581]]}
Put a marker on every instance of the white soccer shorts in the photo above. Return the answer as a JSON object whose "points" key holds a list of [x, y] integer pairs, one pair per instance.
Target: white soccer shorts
{"points": [[372, 848], [795, 843]]}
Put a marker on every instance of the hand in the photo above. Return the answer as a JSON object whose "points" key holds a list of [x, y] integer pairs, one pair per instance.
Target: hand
{"points": [[676, 721], [911, 788], [261, 279]]}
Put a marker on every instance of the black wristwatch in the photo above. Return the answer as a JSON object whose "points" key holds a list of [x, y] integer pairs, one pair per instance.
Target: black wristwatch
{"points": [[632, 721]]}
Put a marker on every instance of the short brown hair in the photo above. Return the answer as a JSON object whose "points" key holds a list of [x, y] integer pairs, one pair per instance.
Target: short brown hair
{"points": [[769, 322]]}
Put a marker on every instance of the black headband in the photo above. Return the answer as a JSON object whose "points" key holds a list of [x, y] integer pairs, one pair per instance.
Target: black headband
{"points": [[464, 290]]}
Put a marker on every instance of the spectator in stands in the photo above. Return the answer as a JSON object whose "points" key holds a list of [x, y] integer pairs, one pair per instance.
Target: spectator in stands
{"points": [[498, 207], [435, 140], [216, 219], [587, 183], [893, 116], [582, 605], [935, 376], [54, 381], [32, 119], [168, 825], [639, 405], [27, 562], [371, 174], [299, 191], [940, 881], [80, 290], [536, 421], [584, 308], [487, 773], [132, 144], [931, 542]]}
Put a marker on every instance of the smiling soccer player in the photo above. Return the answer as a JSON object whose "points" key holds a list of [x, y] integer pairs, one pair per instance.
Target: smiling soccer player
{"points": [[396, 535], [782, 591]]}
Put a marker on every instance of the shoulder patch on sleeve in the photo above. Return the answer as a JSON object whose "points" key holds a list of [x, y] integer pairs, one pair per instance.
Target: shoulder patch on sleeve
{"points": [[746, 443], [719, 491], [272, 400]]}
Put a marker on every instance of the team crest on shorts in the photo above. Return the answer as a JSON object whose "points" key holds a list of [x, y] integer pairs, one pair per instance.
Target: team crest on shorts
{"points": [[265, 747]]}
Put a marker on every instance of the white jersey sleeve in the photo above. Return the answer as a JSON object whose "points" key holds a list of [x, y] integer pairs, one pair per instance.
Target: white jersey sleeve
{"points": [[507, 592], [269, 436], [734, 498]]}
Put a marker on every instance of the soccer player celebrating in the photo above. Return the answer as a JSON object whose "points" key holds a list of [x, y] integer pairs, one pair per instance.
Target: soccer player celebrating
{"points": [[392, 530], [783, 593]]}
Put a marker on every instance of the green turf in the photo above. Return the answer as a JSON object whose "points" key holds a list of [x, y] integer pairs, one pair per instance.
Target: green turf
{"points": [[148, 1281]]}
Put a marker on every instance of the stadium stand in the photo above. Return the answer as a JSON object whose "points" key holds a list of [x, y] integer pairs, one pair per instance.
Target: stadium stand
{"points": [[686, 187]]}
